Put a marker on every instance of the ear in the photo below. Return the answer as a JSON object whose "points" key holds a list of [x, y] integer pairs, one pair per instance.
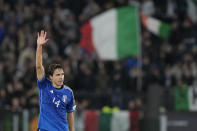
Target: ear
{"points": [[50, 77]]}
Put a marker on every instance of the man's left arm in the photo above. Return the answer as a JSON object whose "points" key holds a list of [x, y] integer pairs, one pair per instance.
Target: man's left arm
{"points": [[70, 117]]}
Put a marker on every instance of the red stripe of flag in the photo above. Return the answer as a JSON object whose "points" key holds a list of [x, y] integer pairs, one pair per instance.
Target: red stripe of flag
{"points": [[144, 20], [86, 37]]}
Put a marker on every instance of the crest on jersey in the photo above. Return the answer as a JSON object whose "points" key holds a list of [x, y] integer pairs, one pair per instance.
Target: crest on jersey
{"points": [[64, 98]]}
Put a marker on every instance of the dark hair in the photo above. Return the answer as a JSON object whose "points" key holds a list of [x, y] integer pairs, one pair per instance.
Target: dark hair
{"points": [[52, 68]]}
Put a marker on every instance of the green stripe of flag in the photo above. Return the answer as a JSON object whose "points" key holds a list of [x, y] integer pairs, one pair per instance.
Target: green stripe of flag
{"points": [[105, 121], [165, 30], [127, 31]]}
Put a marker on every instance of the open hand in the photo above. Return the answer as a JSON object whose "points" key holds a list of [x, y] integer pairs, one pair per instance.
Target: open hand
{"points": [[41, 40]]}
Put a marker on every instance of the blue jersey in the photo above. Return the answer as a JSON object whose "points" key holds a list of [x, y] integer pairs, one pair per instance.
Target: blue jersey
{"points": [[54, 104]]}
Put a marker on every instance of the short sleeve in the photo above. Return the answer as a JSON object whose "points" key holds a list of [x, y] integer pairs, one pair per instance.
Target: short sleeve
{"points": [[71, 107], [42, 83]]}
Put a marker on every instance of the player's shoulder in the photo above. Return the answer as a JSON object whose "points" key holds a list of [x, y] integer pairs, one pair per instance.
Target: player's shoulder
{"points": [[43, 81], [66, 88], [47, 79]]}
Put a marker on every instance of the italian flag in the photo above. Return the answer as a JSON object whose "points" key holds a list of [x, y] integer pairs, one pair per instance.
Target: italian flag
{"points": [[113, 34], [156, 26], [92, 120]]}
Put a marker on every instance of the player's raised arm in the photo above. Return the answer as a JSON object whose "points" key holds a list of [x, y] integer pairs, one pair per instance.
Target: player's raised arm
{"points": [[41, 40]]}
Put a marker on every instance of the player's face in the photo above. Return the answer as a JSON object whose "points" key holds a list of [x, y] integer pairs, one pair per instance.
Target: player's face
{"points": [[58, 77]]}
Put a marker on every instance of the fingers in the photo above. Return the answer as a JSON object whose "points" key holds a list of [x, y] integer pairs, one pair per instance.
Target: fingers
{"points": [[46, 40], [45, 34], [42, 33], [42, 36]]}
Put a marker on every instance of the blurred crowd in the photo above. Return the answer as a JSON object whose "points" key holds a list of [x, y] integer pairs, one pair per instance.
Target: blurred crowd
{"points": [[167, 62]]}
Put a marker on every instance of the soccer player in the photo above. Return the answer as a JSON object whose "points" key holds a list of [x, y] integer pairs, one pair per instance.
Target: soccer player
{"points": [[56, 100]]}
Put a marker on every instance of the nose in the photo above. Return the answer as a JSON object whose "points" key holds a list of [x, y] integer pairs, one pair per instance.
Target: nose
{"points": [[62, 77]]}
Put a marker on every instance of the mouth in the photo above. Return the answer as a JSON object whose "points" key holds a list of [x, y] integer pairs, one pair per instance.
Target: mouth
{"points": [[60, 81]]}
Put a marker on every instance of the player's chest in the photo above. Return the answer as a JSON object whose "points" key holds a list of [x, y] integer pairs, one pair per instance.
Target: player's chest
{"points": [[56, 98]]}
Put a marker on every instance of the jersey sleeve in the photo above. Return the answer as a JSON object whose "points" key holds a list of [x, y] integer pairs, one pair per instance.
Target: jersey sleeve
{"points": [[42, 83], [71, 107]]}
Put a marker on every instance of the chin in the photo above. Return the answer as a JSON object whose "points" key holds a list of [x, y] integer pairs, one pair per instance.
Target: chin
{"points": [[60, 84]]}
